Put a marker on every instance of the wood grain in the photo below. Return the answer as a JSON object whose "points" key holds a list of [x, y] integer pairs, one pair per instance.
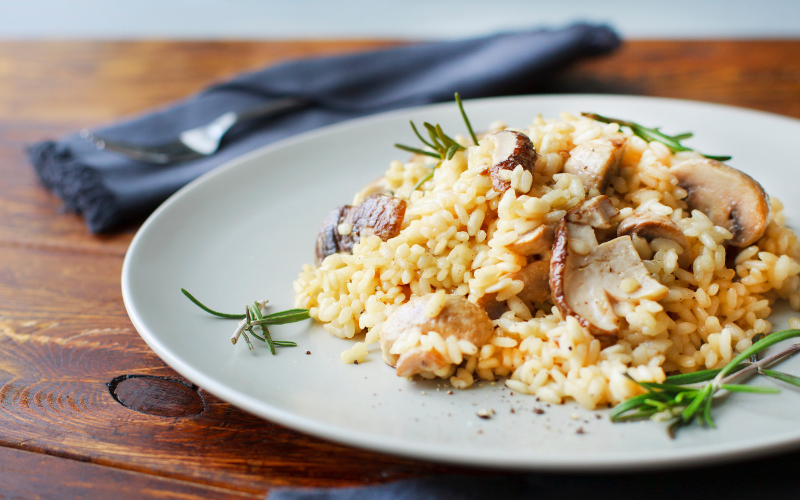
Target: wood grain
{"points": [[763, 75], [65, 335], [35, 475]]}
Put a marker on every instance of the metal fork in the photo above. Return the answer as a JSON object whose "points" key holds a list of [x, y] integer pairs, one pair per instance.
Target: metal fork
{"points": [[194, 143]]}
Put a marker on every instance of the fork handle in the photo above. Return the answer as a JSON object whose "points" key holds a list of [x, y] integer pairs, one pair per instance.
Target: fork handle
{"points": [[271, 107]]}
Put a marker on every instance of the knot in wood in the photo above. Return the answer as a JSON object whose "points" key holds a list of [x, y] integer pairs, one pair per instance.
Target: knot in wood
{"points": [[160, 396]]}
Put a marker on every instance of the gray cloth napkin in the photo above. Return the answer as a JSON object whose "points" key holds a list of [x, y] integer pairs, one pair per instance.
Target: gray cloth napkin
{"points": [[111, 191]]}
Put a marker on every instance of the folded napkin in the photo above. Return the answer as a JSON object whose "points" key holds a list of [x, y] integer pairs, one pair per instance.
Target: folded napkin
{"points": [[110, 190]]}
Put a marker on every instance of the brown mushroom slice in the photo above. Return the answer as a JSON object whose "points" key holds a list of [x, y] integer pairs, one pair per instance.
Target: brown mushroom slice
{"points": [[379, 214], [510, 149], [586, 286], [536, 288], [459, 317], [534, 242], [328, 236], [596, 212], [730, 198], [650, 225], [536, 278], [596, 161]]}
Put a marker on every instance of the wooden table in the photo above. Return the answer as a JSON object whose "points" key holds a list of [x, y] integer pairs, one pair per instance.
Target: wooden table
{"points": [[64, 333]]}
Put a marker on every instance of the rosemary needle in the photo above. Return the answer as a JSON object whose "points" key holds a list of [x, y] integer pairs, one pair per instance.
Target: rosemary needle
{"points": [[466, 120], [208, 310]]}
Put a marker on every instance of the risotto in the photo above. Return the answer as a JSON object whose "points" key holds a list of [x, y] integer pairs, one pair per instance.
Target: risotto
{"points": [[513, 244]]}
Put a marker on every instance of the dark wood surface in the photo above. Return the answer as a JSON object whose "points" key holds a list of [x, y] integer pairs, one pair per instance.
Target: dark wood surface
{"points": [[86, 409]]}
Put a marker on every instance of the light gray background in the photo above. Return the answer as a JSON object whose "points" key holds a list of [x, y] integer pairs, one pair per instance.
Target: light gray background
{"points": [[418, 19]]}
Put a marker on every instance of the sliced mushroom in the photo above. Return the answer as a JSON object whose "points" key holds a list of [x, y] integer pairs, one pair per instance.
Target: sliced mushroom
{"points": [[596, 161], [459, 317], [328, 236], [650, 225], [510, 149], [730, 198], [586, 286], [596, 212], [344, 226], [534, 242], [536, 279]]}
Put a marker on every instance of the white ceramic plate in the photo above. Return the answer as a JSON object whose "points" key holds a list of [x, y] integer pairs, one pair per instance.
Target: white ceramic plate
{"points": [[243, 231]]}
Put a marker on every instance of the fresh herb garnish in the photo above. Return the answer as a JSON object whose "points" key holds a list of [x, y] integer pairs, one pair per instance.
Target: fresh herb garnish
{"points": [[673, 142], [253, 318], [443, 146], [683, 405]]}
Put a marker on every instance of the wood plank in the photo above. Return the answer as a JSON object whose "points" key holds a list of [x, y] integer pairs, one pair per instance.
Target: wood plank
{"points": [[86, 83], [64, 335], [31, 475], [757, 74]]}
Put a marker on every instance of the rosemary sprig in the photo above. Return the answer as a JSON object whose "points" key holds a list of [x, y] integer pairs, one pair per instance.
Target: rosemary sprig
{"points": [[673, 142], [683, 405], [253, 318], [443, 146]]}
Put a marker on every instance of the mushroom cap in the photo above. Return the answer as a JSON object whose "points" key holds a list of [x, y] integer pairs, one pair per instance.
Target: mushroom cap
{"points": [[378, 214], [730, 198], [534, 242], [514, 146], [650, 225], [459, 317], [328, 236], [510, 149], [596, 161], [585, 286], [536, 277]]}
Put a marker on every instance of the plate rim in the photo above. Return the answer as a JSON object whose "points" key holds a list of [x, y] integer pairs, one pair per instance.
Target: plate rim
{"points": [[551, 461]]}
